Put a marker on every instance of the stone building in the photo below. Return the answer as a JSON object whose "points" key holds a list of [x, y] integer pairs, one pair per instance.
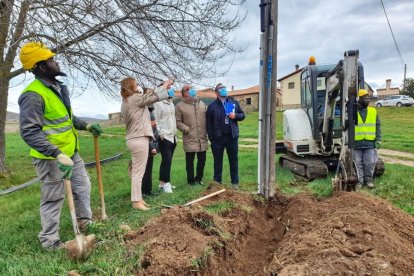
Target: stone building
{"points": [[115, 118], [388, 90]]}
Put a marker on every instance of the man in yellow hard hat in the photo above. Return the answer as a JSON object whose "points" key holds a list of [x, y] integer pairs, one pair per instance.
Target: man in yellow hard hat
{"points": [[367, 140], [49, 127]]}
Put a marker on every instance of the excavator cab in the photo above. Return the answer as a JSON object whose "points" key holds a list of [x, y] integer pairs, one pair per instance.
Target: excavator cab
{"points": [[313, 95]]}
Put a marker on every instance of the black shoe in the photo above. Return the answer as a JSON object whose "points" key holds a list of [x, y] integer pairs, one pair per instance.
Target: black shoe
{"points": [[57, 245], [191, 183], [199, 182], [150, 194]]}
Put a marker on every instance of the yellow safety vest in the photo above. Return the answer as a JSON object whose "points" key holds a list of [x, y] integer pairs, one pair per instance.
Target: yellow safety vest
{"points": [[57, 123], [367, 130]]}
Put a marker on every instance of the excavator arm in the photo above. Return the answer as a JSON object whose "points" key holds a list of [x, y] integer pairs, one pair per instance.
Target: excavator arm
{"points": [[341, 88]]}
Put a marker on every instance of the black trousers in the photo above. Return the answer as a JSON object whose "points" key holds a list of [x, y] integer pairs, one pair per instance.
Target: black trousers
{"points": [[147, 178], [226, 142], [189, 165], [167, 151]]}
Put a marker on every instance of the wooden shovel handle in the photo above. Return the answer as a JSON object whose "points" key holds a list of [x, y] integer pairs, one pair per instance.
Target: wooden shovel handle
{"points": [[204, 197], [71, 204], [99, 176]]}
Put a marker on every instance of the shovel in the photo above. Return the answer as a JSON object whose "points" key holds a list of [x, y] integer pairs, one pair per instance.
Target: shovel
{"points": [[99, 174], [196, 200], [81, 247]]}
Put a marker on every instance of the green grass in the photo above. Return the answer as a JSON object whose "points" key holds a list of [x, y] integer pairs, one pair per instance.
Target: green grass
{"points": [[219, 207], [21, 254], [249, 126], [397, 126]]}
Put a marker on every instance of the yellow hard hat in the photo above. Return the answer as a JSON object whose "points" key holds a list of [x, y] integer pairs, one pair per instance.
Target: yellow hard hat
{"points": [[362, 92], [33, 52]]}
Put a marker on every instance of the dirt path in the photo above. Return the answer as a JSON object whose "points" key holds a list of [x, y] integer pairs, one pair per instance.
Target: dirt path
{"points": [[396, 153], [11, 127], [391, 157]]}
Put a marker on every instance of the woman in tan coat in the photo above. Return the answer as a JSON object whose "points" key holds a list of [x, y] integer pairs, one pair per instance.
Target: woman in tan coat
{"points": [[135, 114], [190, 115]]}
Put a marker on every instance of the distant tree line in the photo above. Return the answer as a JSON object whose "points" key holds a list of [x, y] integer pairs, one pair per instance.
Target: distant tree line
{"points": [[408, 88]]}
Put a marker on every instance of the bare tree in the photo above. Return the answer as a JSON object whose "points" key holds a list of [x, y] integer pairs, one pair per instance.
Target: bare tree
{"points": [[100, 41]]}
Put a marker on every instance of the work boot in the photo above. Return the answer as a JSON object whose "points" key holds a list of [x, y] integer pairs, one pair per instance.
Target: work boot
{"points": [[57, 245], [371, 185], [84, 225]]}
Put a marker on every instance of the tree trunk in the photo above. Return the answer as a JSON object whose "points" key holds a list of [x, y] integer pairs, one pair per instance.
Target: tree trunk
{"points": [[4, 93]]}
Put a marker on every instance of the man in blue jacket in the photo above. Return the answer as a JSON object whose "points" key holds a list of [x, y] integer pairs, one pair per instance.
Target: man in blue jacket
{"points": [[223, 132]]}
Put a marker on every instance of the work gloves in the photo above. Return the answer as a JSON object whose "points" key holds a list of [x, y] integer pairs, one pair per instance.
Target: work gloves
{"points": [[95, 129], [377, 144], [65, 164]]}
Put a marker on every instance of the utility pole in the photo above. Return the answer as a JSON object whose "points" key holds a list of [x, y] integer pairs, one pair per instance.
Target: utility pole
{"points": [[405, 76], [267, 101]]}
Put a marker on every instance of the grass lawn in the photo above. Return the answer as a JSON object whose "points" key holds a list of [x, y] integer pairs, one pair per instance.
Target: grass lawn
{"points": [[21, 254]]}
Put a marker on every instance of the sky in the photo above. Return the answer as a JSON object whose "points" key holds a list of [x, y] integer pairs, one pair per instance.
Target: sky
{"points": [[324, 29]]}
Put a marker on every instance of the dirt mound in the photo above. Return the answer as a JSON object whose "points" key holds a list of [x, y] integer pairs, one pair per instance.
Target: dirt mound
{"points": [[241, 234]]}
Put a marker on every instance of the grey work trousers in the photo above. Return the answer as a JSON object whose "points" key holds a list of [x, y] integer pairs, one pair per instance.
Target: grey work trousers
{"points": [[365, 161], [53, 194]]}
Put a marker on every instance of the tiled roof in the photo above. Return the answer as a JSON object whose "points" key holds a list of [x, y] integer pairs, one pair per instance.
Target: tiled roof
{"points": [[209, 93], [291, 74]]}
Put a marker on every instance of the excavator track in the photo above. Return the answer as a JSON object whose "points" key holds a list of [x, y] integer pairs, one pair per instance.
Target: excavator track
{"points": [[308, 169]]}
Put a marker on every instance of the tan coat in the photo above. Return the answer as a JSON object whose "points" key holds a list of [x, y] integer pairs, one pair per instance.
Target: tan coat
{"points": [[135, 113], [190, 114]]}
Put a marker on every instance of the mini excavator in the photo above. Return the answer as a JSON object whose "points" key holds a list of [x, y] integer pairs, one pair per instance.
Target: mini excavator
{"points": [[319, 136]]}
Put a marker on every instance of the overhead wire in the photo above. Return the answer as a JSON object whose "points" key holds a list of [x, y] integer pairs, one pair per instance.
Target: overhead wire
{"points": [[392, 33]]}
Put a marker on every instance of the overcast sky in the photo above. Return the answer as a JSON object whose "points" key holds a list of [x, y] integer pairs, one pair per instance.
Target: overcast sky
{"points": [[324, 29]]}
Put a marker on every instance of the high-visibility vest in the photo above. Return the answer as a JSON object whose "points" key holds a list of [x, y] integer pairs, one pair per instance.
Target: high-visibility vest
{"points": [[57, 122], [367, 130]]}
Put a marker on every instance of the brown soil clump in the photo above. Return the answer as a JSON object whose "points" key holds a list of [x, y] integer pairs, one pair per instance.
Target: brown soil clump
{"points": [[242, 234]]}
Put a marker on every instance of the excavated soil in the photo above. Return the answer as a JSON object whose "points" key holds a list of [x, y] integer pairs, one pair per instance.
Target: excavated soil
{"points": [[346, 234]]}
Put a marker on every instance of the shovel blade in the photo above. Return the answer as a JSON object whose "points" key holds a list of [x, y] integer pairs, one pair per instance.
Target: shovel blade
{"points": [[81, 247]]}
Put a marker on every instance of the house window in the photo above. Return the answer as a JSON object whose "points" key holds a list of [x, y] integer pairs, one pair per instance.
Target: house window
{"points": [[291, 85], [248, 101]]}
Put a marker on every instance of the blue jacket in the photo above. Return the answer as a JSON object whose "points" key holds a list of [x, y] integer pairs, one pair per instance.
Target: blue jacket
{"points": [[215, 118]]}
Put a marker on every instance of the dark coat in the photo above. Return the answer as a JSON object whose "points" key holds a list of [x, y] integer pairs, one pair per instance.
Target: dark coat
{"points": [[215, 118]]}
